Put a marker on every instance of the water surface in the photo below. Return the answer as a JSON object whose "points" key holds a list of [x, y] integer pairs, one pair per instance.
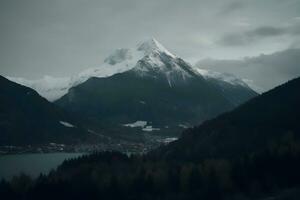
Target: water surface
{"points": [[31, 164]]}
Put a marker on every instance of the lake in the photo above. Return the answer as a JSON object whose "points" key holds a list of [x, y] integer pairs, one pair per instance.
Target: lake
{"points": [[31, 164]]}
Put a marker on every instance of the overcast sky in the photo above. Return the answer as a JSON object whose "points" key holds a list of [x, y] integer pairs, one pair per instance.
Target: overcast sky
{"points": [[63, 37]]}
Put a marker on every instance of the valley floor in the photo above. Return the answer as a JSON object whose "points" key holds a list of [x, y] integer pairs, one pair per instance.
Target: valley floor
{"points": [[129, 147]]}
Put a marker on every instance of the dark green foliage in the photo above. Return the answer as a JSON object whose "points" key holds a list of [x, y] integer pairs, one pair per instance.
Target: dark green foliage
{"points": [[112, 175]]}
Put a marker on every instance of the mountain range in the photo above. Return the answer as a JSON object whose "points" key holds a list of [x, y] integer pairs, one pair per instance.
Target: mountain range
{"points": [[121, 60], [146, 89]]}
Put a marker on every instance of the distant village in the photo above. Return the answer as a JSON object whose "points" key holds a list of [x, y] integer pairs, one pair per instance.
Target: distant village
{"points": [[114, 145]]}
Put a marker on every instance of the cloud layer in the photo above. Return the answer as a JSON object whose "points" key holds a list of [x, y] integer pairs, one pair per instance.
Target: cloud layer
{"points": [[63, 37], [264, 72], [259, 33]]}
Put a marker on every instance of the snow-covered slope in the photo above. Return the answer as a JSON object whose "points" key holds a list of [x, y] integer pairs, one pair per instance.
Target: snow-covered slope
{"points": [[153, 46], [48, 87], [226, 77], [147, 57]]}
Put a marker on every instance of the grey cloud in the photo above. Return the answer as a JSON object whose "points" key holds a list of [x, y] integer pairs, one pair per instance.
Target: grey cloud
{"points": [[266, 31], [266, 71], [63, 37], [234, 39], [250, 36], [231, 7]]}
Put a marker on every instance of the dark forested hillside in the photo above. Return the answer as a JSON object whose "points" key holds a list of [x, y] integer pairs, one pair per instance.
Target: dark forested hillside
{"points": [[115, 176], [27, 118], [261, 123], [125, 98]]}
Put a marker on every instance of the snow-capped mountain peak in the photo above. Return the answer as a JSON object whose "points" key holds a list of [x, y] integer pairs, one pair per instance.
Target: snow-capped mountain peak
{"points": [[148, 58], [153, 46], [159, 62]]}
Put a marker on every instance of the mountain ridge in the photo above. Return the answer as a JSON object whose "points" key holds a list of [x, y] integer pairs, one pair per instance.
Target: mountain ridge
{"points": [[121, 60]]}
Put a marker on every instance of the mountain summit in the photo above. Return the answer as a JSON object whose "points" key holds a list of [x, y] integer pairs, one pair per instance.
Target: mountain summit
{"points": [[149, 47], [152, 46]]}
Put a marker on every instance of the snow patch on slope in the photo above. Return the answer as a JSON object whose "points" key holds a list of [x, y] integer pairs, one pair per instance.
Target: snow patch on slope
{"points": [[150, 128], [169, 140], [228, 78], [67, 124], [143, 125], [137, 124]]}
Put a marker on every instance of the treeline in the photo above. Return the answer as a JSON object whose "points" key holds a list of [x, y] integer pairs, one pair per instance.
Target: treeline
{"points": [[112, 175]]}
